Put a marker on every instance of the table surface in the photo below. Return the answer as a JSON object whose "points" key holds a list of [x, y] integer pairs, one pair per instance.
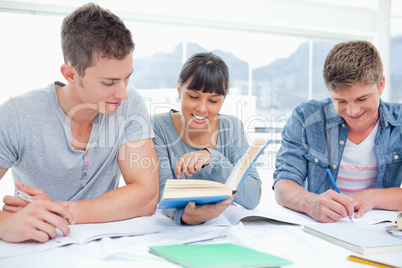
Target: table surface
{"points": [[277, 238], [273, 237]]}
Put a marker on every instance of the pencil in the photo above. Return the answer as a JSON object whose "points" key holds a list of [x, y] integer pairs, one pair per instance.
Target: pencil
{"points": [[370, 262], [336, 187]]}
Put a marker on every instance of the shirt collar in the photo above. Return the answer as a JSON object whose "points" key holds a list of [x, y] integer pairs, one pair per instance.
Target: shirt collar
{"points": [[388, 116]]}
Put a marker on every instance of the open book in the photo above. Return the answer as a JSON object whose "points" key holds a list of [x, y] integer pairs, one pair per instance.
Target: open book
{"points": [[233, 214], [178, 193], [357, 238], [82, 234]]}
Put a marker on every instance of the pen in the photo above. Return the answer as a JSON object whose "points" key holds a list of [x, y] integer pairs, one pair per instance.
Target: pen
{"points": [[25, 196], [370, 262], [336, 187], [29, 199]]}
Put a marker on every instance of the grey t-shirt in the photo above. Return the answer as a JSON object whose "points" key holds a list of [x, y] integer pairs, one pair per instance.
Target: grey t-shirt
{"points": [[35, 141], [231, 145]]}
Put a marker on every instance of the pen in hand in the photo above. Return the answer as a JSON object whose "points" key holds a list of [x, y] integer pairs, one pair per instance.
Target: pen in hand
{"points": [[336, 187], [29, 199]]}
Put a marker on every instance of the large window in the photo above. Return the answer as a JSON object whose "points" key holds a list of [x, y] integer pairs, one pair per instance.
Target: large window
{"points": [[271, 72], [276, 72], [274, 65], [396, 51], [30, 52]]}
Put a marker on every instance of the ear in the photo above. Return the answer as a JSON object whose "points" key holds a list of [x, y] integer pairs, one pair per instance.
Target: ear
{"points": [[178, 89], [69, 73], [382, 85]]}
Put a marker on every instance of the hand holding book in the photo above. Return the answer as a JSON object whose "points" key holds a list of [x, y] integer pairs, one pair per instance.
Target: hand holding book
{"points": [[194, 214]]}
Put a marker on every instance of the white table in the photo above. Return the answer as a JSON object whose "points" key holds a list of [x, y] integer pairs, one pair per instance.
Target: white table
{"points": [[284, 240]]}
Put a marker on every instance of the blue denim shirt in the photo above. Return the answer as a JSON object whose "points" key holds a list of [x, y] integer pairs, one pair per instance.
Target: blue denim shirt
{"points": [[314, 138]]}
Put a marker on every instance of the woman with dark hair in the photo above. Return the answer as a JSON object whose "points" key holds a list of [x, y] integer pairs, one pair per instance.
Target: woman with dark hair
{"points": [[199, 143]]}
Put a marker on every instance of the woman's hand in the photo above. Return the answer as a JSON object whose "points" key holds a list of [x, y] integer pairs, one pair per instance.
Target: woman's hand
{"points": [[197, 214], [192, 162]]}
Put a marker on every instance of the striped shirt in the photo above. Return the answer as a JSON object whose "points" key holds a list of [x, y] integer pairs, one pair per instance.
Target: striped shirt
{"points": [[358, 168]]}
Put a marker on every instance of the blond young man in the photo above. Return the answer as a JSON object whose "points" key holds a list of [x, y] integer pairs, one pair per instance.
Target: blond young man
{"points": [[353, 134]]}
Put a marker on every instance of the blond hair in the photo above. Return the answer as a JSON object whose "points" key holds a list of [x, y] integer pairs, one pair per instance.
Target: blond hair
{"points": [[350, 63]]}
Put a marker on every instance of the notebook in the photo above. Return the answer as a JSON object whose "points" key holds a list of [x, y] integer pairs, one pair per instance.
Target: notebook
{"points": [[357, 238], [217, 255]]}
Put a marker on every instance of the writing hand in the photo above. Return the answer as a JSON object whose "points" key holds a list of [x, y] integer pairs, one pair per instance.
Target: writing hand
{"points": [[36, 221], [192, 162], [15, 203], [331, 207], [31, 195], [197, 214]]}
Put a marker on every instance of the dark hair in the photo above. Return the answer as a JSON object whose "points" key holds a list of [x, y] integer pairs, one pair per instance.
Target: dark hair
{"points": [[91, 31], [208, 72], [350, 63]]}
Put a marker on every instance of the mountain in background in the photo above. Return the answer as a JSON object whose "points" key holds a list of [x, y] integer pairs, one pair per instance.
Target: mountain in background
{"points": [[287, 80], [161, 70], [281, 85]]}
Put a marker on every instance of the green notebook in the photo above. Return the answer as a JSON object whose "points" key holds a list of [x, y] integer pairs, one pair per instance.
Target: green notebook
{"points": [[217, 255]]}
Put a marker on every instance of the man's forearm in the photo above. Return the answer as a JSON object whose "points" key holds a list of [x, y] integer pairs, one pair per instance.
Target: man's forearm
{"points": [[134, 200], [388, 198], [291, 195]]}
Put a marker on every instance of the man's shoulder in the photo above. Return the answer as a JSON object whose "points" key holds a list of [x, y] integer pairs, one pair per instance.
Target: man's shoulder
{"points": [[133, 95], [36, 97], [315, 106], [392, 107], [133, 105], [392, 112]]}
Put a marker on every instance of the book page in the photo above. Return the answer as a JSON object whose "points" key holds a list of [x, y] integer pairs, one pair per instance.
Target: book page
{"points": [[83, 233], [245, 163], [194, 188], [17, 249], [196, 192], [235, 214], [190, 184], [374, 216]]}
